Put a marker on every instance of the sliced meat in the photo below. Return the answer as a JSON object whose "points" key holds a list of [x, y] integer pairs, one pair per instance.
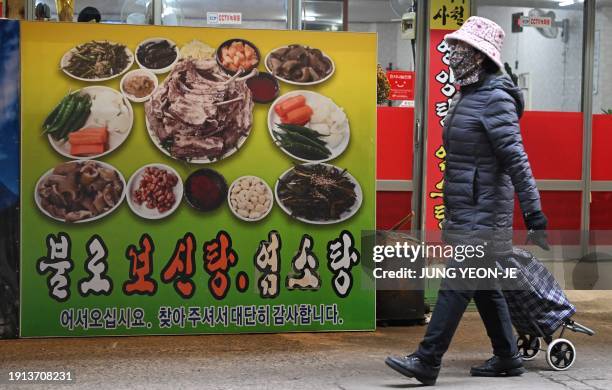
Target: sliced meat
{"points": [[189, 146]]}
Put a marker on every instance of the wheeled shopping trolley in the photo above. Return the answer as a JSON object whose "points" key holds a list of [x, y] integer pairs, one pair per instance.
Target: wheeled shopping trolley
{"points": [[539, 308]]}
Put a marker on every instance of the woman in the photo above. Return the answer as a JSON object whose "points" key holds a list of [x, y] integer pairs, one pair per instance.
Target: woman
{"points": [[485, 164]]}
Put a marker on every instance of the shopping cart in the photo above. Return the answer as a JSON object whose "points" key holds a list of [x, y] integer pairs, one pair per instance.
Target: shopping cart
{"points": [[539, 308]]}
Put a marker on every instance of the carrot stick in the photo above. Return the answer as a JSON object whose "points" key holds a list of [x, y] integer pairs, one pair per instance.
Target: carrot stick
{"points": [[89, 136], [87, 149], [299, 116], [289, 104]]}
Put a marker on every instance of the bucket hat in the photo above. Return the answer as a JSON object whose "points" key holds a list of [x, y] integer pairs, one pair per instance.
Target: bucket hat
{"points": [[482, 34]]}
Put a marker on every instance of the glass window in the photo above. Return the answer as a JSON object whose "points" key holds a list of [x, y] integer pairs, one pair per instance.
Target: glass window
{"points": [[383, 17], [547, 60], [111, 11], [602, 80], [322, 15], [268, 14]]}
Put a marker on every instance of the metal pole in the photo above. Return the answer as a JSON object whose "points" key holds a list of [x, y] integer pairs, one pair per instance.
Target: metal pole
{"points": [[157, 12], [588, 58], [345, 15], [420, 117], [28, 9], [294, 14]]}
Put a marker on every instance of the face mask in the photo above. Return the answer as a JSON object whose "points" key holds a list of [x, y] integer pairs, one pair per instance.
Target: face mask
{"points": [[462, 62]]}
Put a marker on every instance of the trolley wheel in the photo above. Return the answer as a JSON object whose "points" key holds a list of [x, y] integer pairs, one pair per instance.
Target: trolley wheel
{"points": [[528, 346], [560, 354]]}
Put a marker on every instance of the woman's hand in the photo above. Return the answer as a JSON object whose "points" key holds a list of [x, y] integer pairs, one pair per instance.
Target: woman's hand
{"points": [[536, 223]]}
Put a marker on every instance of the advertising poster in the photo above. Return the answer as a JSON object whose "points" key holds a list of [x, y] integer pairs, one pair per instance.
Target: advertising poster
{"points": [[402, 84], [445, 16], [168, 188]]}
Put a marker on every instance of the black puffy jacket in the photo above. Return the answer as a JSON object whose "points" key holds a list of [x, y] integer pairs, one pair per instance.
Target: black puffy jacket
{"points": [[485, 164]]}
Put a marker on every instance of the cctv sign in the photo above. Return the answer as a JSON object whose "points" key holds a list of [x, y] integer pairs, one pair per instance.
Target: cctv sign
{"points": [[535, 21], [224, 17]]}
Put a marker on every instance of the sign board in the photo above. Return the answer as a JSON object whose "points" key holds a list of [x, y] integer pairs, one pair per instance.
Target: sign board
{"points": [[441, 92], [224, 17], [448, 14], [535, 21], [402, 84], [140, 255]]}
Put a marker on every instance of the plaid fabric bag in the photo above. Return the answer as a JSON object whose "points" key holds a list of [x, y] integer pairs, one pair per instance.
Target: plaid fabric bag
{"points": [[534, 297]]}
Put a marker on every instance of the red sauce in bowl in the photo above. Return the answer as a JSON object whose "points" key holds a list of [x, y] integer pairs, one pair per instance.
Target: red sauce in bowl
{"points": [[264, 87], [205, 189]]}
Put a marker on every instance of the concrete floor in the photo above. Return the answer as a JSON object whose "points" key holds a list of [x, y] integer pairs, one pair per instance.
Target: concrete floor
{"points": [[303, 360]]}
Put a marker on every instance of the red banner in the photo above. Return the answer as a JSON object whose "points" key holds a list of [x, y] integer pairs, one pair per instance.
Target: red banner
{"points": [[441, 90], [402, 84]]}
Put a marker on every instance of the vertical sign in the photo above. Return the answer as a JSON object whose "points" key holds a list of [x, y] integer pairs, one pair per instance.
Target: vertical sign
{"points": [[445, 16]]}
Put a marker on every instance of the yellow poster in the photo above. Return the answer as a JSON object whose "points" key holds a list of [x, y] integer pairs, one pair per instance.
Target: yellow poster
{"points": [[191, 180], [448, 14]]}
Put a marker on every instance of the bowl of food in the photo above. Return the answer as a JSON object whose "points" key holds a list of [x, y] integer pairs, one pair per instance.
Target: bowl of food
{"points": [[308, 126], [80, 191], [158, 55], [250, 198], [300, 65], [237, 55], [154, 191], [138, 85], [197, 50], [318, 194], [264, 87], [100, 122], [97, 61], [205, 189]]}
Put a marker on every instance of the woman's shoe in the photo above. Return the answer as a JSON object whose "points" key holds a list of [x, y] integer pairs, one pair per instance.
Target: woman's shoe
{"points": [[413, 367], [500, 366]]}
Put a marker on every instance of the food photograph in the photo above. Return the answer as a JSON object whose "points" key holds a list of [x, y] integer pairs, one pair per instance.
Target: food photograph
{"points": [[153, 136], [200, 104]]}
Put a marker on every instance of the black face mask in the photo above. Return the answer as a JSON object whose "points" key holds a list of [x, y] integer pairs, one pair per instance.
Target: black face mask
{"points": [[462, 61]]}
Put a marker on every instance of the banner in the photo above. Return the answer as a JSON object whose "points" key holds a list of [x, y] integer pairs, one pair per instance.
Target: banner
{"points": [[446, 16], [171, 185]]}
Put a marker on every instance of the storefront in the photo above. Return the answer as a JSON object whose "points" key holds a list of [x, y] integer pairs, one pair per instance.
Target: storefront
{"points": [[558, 51]]}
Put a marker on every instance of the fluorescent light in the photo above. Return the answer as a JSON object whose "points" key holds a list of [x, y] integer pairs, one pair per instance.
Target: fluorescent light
{"points": [[567, 2], [310, 18]]}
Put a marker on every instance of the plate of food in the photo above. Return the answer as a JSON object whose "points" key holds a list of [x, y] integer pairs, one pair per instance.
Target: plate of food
{"points": [[96, 61], [138, 85], [80, 191], [308, 126], [209, 120], [197, 50], [89, 123], [318, 194], [158, 55], [205, 189], [237, 56], [250, 198], [300, 65], [154, 191]]}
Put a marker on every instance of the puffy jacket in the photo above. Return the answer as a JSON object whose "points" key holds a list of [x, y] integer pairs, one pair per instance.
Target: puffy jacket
{"points": [[485, 164]]}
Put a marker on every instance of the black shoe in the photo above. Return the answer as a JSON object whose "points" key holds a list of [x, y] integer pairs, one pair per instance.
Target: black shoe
{"points": [[500, 366], [413, 367]]}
